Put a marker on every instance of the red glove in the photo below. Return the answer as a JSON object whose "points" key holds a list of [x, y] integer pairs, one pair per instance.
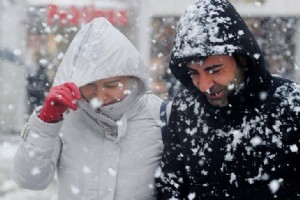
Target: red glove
{"points": [[58, 100]]}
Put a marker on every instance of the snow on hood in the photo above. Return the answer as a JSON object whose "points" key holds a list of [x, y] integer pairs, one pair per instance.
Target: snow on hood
{"points": [[214, 27], [100, 51], [199, 31]]}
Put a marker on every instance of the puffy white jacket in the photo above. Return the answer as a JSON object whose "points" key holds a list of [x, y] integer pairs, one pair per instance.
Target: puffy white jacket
{"points": [[95, 159]]}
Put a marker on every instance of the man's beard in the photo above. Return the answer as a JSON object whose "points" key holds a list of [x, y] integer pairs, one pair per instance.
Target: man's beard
{"points": [[222, 102], [232, 88]]}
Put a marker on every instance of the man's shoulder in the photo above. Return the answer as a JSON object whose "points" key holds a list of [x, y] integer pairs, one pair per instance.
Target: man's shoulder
{"points": [[182, 95], [186, 99], [147, 106], [286, 92], [285, 88]]}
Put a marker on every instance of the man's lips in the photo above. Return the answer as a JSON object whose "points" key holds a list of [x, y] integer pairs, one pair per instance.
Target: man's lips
{"points": [[215, 95]]}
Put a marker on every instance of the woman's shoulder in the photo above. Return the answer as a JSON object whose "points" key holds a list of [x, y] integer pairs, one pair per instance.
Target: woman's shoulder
{"points": [[148, 106]]}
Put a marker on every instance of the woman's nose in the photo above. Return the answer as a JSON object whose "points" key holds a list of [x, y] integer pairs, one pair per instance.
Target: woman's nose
{"points": [[101, 94]]}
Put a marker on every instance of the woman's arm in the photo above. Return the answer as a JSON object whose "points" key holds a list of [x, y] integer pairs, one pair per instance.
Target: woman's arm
{"points": [[38, 154]]}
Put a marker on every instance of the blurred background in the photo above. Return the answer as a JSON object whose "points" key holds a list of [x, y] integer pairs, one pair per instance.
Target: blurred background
{"points": [[34, 35]]}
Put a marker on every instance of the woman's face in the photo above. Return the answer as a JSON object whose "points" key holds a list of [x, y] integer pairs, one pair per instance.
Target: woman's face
{"points": [[108, 91]]}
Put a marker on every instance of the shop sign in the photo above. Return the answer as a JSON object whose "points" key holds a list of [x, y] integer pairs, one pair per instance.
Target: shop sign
{"points": [[74, 15]]}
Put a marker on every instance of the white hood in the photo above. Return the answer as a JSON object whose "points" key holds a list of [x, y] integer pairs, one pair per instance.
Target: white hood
{"points": [[100, 51], [95, 156]]}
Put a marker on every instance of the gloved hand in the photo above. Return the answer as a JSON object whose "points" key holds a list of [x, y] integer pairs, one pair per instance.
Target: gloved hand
{"points": [[58, 100]]}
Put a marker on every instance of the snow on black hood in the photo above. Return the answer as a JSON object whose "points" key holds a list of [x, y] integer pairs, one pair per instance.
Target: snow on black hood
{"points": [[214, 27]]}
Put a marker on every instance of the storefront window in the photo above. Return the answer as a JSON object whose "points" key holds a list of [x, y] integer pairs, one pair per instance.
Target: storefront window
{"points": [[276, 36], [163, 84]]}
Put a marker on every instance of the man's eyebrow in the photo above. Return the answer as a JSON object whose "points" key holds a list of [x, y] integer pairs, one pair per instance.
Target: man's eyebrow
{"points": [[208, 68], [189, 68]]}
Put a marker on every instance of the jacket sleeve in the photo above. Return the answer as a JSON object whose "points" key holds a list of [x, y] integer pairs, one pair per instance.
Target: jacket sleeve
{"points": [[37, 155], [171, 176]]}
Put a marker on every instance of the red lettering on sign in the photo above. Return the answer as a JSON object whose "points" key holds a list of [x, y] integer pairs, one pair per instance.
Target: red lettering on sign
{"points": [[75, 15]]}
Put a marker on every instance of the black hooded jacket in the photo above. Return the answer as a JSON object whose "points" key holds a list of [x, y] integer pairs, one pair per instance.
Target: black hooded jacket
{"points": [[247, 150]]}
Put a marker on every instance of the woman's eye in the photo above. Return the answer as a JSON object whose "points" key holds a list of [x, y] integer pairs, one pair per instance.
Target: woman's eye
{"points": [[111, 86], [91, 85], [114, 85]]}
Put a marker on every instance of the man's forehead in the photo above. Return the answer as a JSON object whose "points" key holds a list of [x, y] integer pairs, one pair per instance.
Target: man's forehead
{"points": [[198, 61], [210, 59]]}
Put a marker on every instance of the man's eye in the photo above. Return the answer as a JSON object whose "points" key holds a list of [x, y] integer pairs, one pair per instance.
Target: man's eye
{"points": [[192, 72], [213, 71]]}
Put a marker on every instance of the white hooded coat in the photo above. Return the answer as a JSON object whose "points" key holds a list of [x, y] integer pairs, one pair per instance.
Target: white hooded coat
{"points": [[95, 157]]}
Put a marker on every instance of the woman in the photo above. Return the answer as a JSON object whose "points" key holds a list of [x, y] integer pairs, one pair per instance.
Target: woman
{"points": [[98, 127]]}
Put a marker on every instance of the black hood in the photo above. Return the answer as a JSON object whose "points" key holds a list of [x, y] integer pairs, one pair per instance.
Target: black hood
{"points": [[214, 27]]}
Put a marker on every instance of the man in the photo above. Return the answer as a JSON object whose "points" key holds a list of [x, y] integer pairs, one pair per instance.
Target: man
{"points": [[234, 131]]}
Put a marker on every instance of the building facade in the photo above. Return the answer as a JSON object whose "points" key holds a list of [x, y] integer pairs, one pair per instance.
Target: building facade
{"points": [[12, 66], [33, 43]]}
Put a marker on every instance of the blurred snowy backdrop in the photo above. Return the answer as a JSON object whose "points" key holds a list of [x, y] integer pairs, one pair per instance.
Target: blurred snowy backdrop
{"points": [[34, 35]]}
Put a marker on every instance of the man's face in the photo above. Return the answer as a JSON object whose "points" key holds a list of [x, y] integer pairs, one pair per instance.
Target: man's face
{"points": [[216, 77]]}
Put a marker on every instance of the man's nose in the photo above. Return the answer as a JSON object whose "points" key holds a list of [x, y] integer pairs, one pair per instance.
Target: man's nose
{"points": [[204, 83]]}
